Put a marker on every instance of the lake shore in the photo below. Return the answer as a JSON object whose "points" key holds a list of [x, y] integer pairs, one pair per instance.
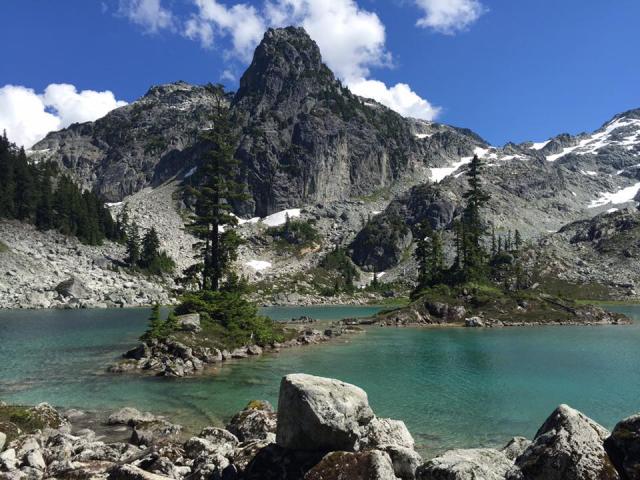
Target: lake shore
{"points": [[322, 426]]}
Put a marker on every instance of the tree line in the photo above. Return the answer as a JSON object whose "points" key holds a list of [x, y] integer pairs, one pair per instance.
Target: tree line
{"points": [[40, 195]]}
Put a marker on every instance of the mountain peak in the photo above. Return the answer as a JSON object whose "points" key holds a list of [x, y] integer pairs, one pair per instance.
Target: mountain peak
{"points": [[286, 64]]}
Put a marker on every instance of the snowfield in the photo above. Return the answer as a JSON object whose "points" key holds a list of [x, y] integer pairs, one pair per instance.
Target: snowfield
{"points": [[279, 218], [258, 265], [616, 198], [595, 142]]}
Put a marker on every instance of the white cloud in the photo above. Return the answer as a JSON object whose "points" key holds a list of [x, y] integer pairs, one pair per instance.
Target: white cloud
{"points": [[149, 14], [449, 16], [28, 116], [241, 22], [229, 76], [399, 98], [352, 40]]}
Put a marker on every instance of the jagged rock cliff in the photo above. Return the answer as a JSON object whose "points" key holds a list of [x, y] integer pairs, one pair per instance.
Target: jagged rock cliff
{"points": [[536, 188], [308, 139], [135, 146], [303, 137]]}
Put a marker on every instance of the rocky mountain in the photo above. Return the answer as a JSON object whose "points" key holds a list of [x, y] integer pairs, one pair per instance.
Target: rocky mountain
{"points": [[303, 137], [361, 174], [307, 139], [600, 253], [535, 187], [135, 146]]}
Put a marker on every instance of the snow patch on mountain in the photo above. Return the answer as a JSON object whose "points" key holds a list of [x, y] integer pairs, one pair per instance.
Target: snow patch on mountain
{"points": [[539, 145], [607, 136], [258, 265], [624, 195], [279, 218]]}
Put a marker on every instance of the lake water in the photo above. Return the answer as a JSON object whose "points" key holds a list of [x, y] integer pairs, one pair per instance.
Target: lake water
{"points": [[453, 387]]}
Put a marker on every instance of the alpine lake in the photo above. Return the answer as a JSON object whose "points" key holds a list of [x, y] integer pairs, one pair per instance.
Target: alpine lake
{"points": [[453, 387]]}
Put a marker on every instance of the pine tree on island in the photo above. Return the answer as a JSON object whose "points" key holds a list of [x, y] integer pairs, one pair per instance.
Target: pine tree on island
{"points": [[220, 295]]}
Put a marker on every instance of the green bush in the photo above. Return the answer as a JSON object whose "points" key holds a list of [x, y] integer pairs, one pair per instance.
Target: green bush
{"points": [[160, 329], [240, 319], [296, 232]]}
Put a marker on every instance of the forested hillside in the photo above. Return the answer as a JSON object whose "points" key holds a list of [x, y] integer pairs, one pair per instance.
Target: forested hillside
{"points": [[38, 193]]}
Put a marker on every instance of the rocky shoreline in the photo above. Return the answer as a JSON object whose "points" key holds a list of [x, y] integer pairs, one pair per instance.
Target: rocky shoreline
{"points": [[172, 358], [323, 429], [544, 311]]}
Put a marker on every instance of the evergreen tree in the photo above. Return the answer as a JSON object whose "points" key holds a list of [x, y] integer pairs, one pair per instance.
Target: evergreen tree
{"points": [[122, 224], [133, 245], [150, 249], [44, 210], [518, 240], [421, 254], [217, 187], [375, 283], [437, 259], [474, 228], [156, 328]]}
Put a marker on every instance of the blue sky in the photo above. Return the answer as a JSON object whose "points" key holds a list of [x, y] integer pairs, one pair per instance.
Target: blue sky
{"points": [[511, 70]]}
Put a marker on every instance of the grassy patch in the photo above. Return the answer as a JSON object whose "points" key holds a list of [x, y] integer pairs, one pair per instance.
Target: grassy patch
{"points": [[16, 420], [586, 291]]}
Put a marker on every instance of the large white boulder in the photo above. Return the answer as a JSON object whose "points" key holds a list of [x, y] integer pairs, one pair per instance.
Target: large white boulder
{"points": [[321, 414]]}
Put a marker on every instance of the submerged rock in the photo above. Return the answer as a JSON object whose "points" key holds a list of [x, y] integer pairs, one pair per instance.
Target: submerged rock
{"points": [[316, 414], [129, 416]]}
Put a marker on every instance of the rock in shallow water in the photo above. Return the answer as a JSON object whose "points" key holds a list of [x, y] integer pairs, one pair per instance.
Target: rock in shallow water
{"points": [[320, 414], [129, 416]]}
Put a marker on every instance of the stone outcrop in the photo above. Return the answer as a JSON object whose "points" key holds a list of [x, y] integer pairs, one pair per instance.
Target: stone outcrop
{"points": [[369, 465], [568, 446], [320, 414], [480, 463], [171, 358], [623, 447], [256, 422]]}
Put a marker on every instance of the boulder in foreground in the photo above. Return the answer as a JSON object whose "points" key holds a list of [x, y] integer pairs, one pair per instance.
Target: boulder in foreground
{"points": [[623, 447], [568, 446], [320, 414], [472, 464]]}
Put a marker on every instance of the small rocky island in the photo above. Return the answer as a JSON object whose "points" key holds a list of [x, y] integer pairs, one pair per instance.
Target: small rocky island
{"points": [[483, 307], [324, 429], [188, 352]]}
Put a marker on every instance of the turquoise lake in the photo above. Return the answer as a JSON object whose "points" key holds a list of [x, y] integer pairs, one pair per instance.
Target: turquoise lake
{"points": [[452, 387]]}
